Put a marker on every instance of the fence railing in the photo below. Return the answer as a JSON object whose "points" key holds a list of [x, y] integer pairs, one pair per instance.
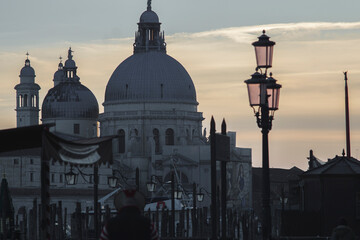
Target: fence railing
{"points": [[189, 223]]}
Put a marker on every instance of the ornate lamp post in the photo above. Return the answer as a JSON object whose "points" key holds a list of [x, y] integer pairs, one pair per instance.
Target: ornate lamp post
{"points": [[264, 49], [71, 179], [151, 186], [264, 95], [200, 196], [112, 181], [177, 193]]}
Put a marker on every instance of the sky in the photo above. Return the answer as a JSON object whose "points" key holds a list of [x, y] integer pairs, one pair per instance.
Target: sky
{"points": [[315, 42]]}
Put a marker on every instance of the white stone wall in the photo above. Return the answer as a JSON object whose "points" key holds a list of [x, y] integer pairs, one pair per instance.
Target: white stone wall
{"points": [[190, 151], [88, 128], [18, 170]]}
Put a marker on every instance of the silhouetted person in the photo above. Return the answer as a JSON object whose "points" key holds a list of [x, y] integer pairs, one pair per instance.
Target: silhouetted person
{"points": [[129, 224], [342, 231]]}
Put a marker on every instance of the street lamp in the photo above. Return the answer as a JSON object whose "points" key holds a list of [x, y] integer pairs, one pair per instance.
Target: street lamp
{"points": [[112, 181], [200, 196], [177, 193], [264, 95], [71, 177], [151, 186], [264, 49]]}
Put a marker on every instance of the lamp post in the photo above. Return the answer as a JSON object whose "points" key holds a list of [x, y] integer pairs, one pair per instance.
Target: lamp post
{"points": [[200, 196], [71, 179], [264, 95], [114, 181], [193, 217], [96, 209], [175, 194], [172, 205]]}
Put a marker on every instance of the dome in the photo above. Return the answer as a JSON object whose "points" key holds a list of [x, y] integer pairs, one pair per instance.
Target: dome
{"points": [[150, 76], [70, 100], [69, 63], [59, 74], [27, 70], [149, 16]]}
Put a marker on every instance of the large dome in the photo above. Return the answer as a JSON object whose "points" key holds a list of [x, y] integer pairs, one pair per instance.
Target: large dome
{"points": [[70, 100], [150, 76]]}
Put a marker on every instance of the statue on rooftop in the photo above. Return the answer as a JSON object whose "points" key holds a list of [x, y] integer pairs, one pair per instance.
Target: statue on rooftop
{"points": [[69, 53]]}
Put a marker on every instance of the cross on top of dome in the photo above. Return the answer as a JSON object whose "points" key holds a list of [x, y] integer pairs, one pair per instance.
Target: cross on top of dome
{"points": [[27, 61], [149, 5], [60, 67], [27, 70]]}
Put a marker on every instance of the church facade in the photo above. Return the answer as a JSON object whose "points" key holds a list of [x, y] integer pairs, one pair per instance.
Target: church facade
{"points": [[150, 107]]}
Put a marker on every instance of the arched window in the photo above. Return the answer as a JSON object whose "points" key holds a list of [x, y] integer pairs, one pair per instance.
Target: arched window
{"points": [[156, 140], [20, 101], [25, 100], [121, 139], [169, 137], [32, 101]]}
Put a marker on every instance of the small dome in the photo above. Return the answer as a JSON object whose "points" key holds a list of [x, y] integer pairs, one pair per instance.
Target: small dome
{"points": [[59, 74], [149, 16], [70, 100], [150, 76], [27, 70], [69, 63]]}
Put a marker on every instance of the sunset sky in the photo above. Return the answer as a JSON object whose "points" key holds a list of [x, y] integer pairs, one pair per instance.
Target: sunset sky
{"points": [[315, 42]]}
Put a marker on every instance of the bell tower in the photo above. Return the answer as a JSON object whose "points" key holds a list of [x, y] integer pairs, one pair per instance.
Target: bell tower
{"points": [[149, 37], [27, 97]]}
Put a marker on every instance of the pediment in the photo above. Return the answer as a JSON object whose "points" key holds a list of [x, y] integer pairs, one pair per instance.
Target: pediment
{"points": [[180, 160]]}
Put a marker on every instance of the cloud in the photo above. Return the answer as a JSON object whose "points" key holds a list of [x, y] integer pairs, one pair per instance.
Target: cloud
{"points": [[246, 34]]}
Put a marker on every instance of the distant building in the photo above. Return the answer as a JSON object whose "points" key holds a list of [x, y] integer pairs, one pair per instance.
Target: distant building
{"points": [[285, 195], [331, 192], [151, 107], [27, 97], [150, 104], [69, 105], [74, 110]]}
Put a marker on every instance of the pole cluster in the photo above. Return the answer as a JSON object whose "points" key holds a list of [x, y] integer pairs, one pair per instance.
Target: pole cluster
{"points": [[220, 151]]}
